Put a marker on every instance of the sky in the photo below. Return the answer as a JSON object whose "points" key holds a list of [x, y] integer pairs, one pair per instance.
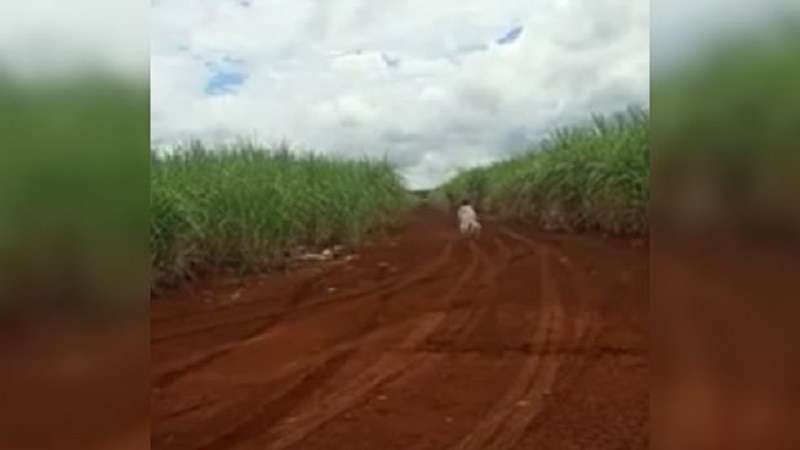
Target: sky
{"points": [[45, 39], [434, 86]]}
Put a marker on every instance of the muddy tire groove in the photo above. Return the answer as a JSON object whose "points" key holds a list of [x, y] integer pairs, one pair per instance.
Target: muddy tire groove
{"points": [[269, 413], [167, 377], [505, 422], [310, 279], [388, 368], [464, 319], [296, 306], [585, 350], [577, 347], [486, 314]]}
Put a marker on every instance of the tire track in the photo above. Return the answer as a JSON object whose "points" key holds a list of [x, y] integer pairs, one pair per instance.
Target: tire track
{"points": [[396, 282], [581, 331], [168, 376], [485, 315], [508, 422], [583, 318], [268, 413], [580, 353], [162, 321], [505, 423], [463, 320], [389, 367]]}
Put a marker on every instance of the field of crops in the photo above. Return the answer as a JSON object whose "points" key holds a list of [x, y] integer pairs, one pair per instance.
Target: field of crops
{"points": [[588, 177], [245, 207]]}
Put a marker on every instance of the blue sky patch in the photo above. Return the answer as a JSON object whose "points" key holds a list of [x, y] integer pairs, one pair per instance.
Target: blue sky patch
{"points": [[511, 36], [225, 82]]}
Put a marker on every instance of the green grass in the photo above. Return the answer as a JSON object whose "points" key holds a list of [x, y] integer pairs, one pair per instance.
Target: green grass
{"points": [[588, 177], [245, 207], [732, 157], [73, 195]]}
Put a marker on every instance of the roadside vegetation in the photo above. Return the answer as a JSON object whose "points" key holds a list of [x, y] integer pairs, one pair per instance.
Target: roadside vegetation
{"points": [[589, 177], [248, 208]]}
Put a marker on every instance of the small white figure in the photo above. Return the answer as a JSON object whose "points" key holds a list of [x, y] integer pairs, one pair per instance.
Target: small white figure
{"points": [[468, 219]]}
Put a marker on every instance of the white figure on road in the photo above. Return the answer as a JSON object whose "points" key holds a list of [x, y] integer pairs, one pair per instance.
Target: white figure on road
{"points": [[468, 219]]}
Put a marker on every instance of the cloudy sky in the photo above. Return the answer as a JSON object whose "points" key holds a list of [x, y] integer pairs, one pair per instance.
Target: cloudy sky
{"points": [[434, 84], [41, 39]]}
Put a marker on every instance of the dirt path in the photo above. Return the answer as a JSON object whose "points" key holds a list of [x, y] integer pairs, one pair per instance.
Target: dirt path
{"points": [[517, 340]]}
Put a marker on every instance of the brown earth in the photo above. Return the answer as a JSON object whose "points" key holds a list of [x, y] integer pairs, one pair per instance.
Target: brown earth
{"points": [[516, 340]]}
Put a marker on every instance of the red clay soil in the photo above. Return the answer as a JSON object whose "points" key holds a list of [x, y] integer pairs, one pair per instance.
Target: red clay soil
{"points": [[515, 340]]}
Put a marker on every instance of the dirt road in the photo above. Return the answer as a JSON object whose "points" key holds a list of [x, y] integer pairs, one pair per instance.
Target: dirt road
{"points": [[517, 340]]}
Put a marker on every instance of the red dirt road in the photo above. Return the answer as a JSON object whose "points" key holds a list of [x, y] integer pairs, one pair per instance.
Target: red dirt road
{"points": [[517, 340]]}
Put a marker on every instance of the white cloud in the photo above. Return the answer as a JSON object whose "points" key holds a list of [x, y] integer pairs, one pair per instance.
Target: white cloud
{"points": [[319, 73], [51, 37]]}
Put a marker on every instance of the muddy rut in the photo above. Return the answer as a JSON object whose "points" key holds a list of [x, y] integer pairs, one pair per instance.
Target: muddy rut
{"points": [[515, 340]]}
